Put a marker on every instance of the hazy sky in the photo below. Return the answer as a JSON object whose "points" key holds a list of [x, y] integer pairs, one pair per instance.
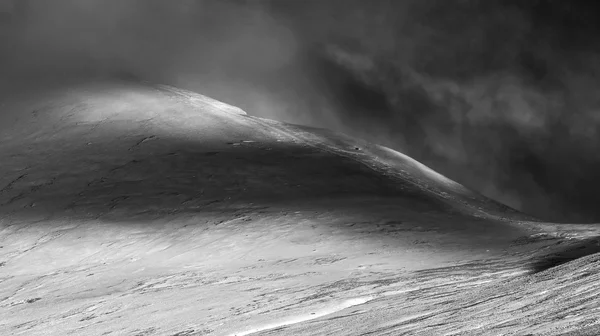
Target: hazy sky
{"points": [[499, 95]]}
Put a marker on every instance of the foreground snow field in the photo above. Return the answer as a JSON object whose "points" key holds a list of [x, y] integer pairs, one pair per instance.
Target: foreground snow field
{"points": [[137, 209]]}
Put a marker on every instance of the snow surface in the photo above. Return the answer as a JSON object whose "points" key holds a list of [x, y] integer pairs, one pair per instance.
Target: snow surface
{"points": [[138, 209]]}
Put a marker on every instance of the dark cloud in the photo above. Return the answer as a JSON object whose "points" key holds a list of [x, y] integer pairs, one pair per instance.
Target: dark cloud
{"points": [[500, 95]]}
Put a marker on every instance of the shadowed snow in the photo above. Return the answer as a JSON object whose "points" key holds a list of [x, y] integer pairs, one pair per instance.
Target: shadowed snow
{"points": [[129, 208]]}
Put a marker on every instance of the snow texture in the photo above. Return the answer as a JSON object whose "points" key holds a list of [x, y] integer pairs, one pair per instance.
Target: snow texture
{"points": [[138, 209]]}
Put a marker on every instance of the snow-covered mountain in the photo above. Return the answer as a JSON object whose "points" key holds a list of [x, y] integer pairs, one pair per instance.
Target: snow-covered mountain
{"points": [[137, 209]]}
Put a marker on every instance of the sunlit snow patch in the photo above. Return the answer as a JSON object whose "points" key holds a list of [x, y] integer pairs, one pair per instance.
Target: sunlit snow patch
{"points": [[428, 172], [204, 100], [303, 318]]}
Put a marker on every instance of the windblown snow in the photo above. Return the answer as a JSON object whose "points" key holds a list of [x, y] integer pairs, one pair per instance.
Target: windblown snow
{"points": [[139, 209]]}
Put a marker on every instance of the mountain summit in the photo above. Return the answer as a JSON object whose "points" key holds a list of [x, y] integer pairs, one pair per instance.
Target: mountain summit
{"points": [[138, 209]]}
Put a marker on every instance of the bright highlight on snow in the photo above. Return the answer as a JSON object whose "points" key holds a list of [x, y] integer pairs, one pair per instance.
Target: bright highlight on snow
{"points": [[137, 209]]}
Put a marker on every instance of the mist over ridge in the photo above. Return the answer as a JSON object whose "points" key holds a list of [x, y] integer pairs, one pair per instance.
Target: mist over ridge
{"points": [[498, 95]]}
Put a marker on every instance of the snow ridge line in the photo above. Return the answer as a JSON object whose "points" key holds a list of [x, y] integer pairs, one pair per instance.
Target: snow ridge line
{"points": [[300, 136], [195, 97]]}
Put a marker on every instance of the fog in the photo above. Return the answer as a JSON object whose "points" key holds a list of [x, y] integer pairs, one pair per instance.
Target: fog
{"points": [[498, 95]]}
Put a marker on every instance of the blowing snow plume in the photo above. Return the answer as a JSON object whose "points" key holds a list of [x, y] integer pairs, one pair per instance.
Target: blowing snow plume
{"points": [[498, 95]]}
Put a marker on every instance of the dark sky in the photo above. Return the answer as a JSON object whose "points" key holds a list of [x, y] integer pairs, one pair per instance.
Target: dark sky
{"points": [[500, 95]]}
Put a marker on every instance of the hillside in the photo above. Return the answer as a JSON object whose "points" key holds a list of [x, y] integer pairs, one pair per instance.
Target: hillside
{"points": [[137, 209]]}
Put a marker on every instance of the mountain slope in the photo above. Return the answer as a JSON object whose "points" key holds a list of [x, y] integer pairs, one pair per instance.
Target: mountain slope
{"points": [[129, 208]]}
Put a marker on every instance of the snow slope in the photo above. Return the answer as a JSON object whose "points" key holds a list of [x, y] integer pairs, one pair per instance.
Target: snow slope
{"points": [[138, 209]]}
